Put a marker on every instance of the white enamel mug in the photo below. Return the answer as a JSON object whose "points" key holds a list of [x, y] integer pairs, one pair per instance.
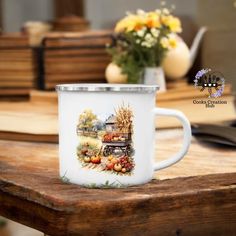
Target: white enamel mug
{"points": [[107, 134]]}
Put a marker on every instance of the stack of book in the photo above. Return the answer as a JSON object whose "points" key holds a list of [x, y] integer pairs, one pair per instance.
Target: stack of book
{"points": [[18, 66], [75, 57]]}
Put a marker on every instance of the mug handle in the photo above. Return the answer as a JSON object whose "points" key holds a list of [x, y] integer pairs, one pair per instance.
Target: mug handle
{"points": [[186, 140]]}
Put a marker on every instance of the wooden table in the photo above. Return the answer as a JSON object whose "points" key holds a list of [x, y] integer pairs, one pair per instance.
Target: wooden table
{"points": [[197, 196]]}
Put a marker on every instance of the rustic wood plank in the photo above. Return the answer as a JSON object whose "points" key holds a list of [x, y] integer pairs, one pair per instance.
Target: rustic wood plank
{"points": [[197, 205], [198, 113], [180, 99], [37, 120], [28, 122], [200, 160], [177, 94], [164, 215], [37, 96], [194, 206]]}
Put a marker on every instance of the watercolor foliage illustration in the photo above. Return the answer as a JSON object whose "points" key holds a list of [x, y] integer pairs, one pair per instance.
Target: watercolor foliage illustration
{"points": [[106, 144]]}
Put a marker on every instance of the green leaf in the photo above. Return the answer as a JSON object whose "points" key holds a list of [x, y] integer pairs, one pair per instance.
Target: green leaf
{"points": [[133, 58]]}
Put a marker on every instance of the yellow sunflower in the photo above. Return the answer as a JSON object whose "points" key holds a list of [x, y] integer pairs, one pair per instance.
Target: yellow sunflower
{"points": [[172, 22]]}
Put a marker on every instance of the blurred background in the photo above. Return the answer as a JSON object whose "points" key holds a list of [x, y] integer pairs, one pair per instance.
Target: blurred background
{"points": [[218, 47]]}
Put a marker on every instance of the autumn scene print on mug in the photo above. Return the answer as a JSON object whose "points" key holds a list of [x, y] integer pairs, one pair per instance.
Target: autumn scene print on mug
{"points": [[105, 141]]}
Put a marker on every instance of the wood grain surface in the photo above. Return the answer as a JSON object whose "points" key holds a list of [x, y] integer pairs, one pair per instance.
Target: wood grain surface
{"points": [[86, 76], [204, 203], [37, 120], [81, 52], [71, 39], [197, 113], [14, 92], [28, 121]]}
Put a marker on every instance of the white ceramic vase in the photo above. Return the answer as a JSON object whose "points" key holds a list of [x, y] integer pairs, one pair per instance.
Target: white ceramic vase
{"points": [[114, 74], [155, 76]]}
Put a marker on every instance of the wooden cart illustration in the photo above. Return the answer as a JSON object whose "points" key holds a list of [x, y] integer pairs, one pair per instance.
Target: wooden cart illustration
{"points": [[114, 141], [106, 144]]}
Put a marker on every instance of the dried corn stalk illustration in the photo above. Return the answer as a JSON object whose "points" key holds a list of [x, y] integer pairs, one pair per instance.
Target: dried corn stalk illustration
{"points": [[124, 119]]}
